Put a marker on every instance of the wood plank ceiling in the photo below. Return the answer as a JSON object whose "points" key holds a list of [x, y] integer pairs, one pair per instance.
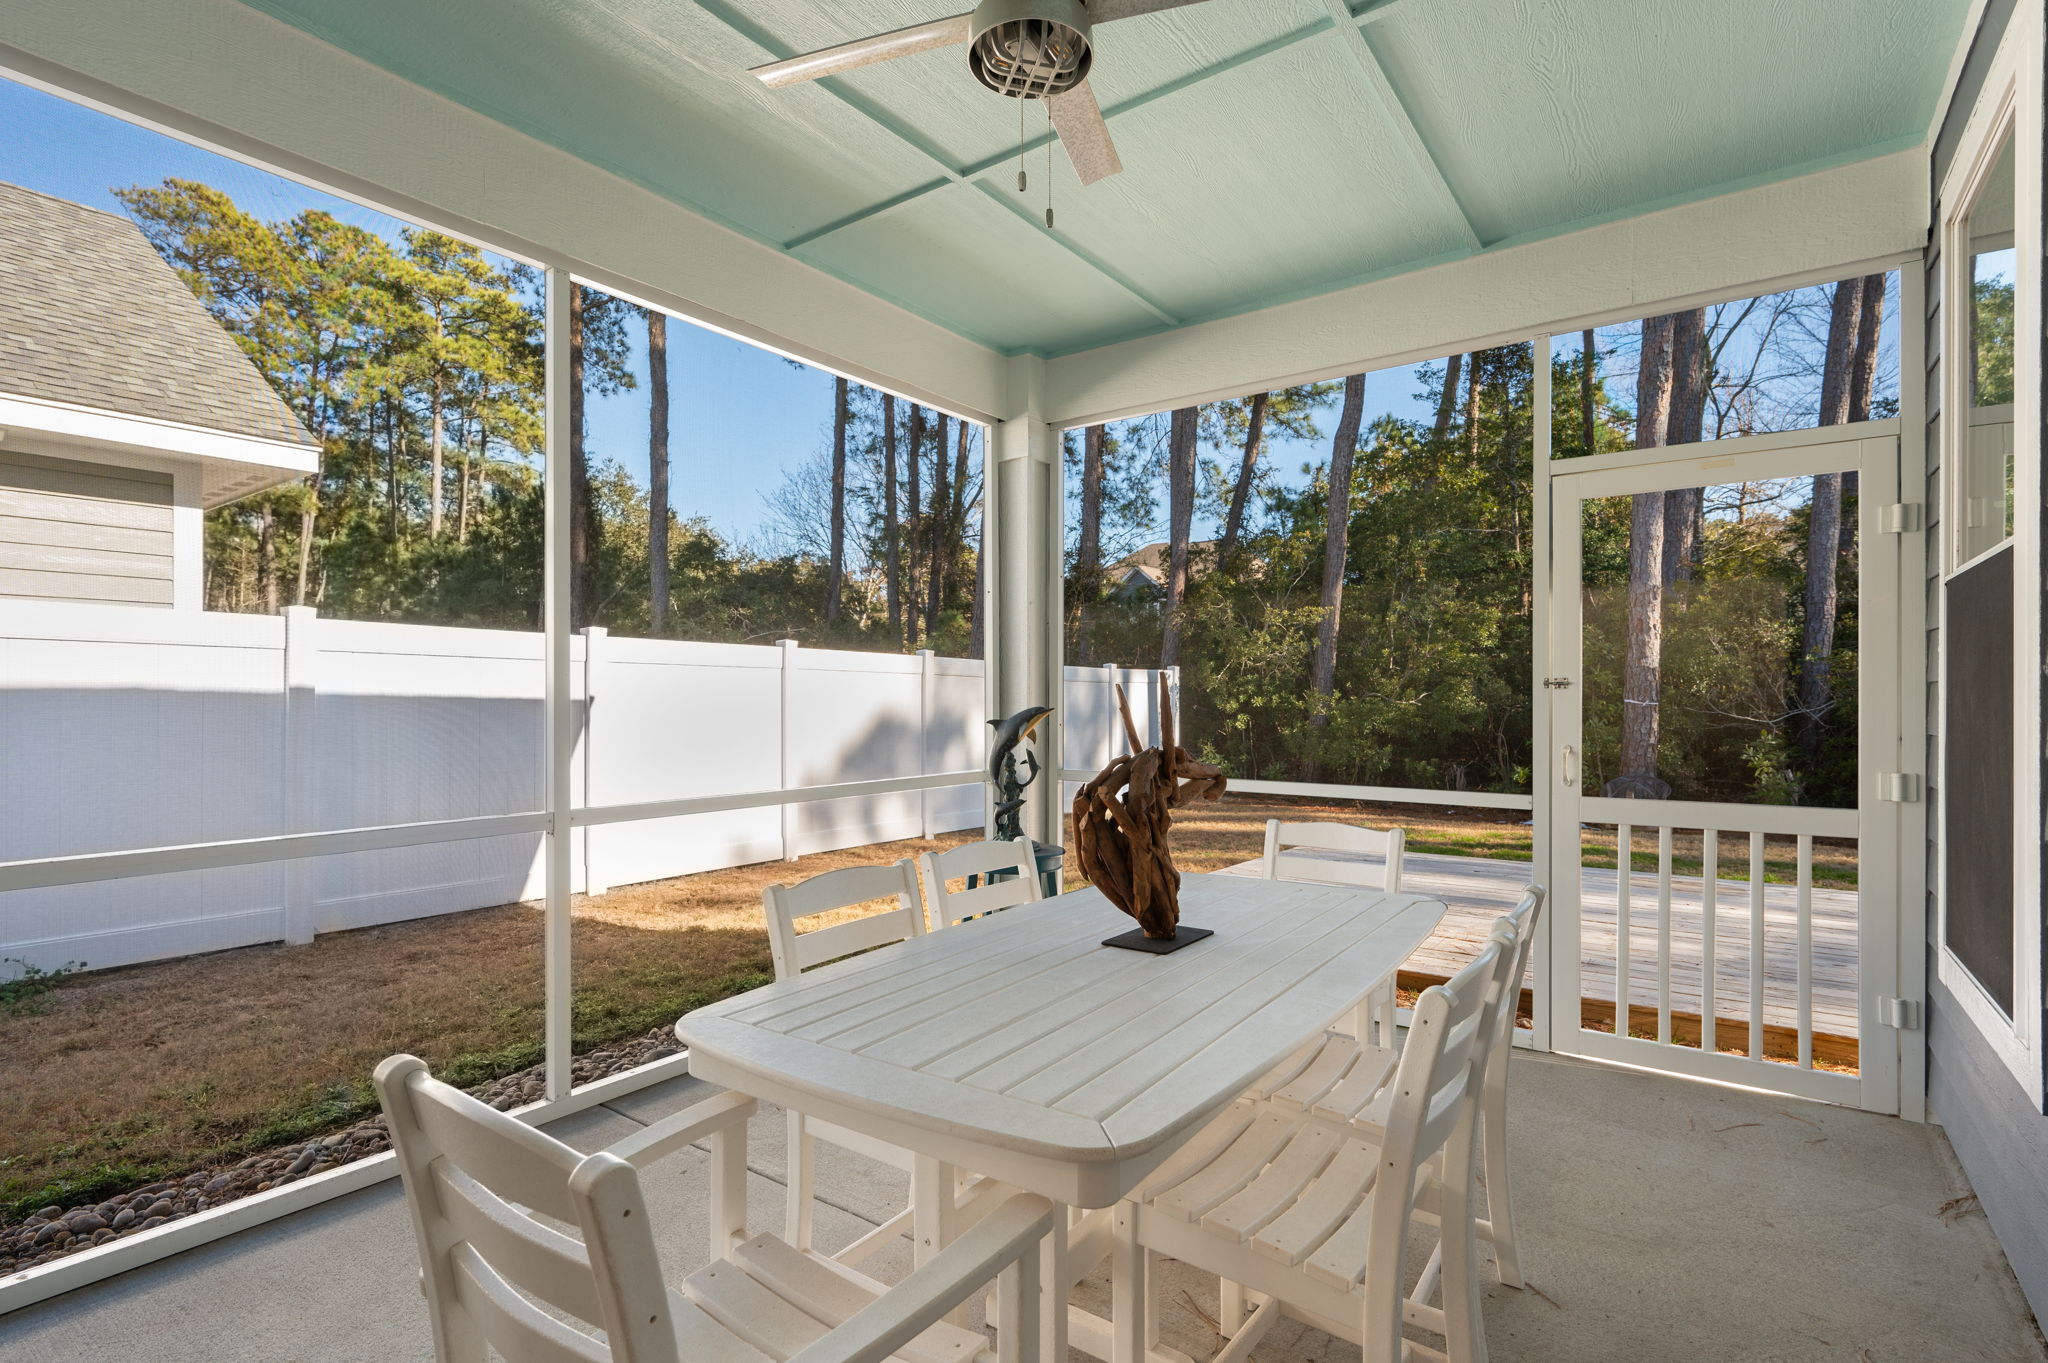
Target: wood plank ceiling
{"points": [[1274, 149]]}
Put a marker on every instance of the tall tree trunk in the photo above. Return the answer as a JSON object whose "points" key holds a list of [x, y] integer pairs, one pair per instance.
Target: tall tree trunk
{"points": [[1087, 587], [657, 468], [1472, 367], [1683, 506], [977, 625], [937, 523], [266, 556], [1824, 526], [1247, 473], [472, 470], [913, 522], [959, 521], [1088, 547], [581, 514], [892, 559], [1180, 519], [1589, 430], [1643, 654], [307, 521], [1447, 400], [391, 468], [835, 573], [1337, 544], [1843, 314], [435, 463], [1862, 380]]}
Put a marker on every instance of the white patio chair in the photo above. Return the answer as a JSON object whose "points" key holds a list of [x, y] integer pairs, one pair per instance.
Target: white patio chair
{"points": [[1017, 861], [1282, 860], [795, 952], [501, 1282], [1344, 1081], [1313, 1216]]}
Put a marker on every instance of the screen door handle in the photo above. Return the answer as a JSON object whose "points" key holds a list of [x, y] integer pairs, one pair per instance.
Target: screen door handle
{"points": [[1568, 765]]}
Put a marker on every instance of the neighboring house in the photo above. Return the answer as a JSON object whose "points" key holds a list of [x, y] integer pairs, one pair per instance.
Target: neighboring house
{"points": [[1141, 575], [126, 412]]}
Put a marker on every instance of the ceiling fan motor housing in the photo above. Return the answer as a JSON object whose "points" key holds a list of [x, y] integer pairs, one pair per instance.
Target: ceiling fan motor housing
{"points": [[1030, 49]]}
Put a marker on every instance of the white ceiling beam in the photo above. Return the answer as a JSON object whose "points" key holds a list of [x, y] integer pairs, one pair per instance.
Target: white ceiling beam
{"points": [[1347, 26], [1827, 225], [745, 28], [1110, 114]]}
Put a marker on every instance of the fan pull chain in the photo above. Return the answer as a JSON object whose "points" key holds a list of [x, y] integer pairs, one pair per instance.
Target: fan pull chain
{"points": [[1020, 146], [1048, 165]]}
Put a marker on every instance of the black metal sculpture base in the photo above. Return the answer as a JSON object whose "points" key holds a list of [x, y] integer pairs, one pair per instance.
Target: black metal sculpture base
{"points": [[1136, 940]]}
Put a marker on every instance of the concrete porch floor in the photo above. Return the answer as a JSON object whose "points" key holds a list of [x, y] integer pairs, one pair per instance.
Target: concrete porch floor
{"points": [[1662, 1220]]}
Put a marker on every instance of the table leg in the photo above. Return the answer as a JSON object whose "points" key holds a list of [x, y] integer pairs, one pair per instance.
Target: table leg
{"points": [[935, 1215], [1129, 1287], [1052, 1288]]}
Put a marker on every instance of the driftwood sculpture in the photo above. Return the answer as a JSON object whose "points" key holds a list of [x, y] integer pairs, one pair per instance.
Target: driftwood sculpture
{"points": [[1121, 837]]}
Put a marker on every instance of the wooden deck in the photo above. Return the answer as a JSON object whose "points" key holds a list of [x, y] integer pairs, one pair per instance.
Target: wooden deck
{"points": [[1479, 890]]}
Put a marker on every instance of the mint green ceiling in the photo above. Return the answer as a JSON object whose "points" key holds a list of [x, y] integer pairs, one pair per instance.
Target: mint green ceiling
{"points": [[1273, 149]]}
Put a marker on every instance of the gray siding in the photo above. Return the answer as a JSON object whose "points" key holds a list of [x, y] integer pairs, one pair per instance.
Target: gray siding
{"points": [[2000, 1137], [72, 531]]}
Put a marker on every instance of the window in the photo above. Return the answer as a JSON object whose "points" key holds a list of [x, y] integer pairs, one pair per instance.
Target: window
{"points": [[1987, 792], [1981, 505]]}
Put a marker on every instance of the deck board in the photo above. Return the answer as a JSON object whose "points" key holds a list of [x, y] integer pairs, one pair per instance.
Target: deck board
{"points": [[1479, 890]]}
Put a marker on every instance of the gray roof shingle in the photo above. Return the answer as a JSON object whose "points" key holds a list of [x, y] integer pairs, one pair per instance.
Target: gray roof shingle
{"points": [[91, 315]]}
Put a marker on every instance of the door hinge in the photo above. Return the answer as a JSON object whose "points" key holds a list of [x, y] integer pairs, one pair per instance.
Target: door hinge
{"points": [[1900, 518], [1899, 787], [1901, 1015]]}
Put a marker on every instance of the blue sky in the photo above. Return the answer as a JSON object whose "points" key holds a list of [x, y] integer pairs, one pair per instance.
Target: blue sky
{"points": [[739, 416]]}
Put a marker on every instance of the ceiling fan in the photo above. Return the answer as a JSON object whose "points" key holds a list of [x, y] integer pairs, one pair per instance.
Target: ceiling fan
{"points": [[1026, 49]]}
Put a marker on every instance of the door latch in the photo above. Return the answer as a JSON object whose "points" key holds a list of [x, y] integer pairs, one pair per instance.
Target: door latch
{"points": [[1557, 683]]}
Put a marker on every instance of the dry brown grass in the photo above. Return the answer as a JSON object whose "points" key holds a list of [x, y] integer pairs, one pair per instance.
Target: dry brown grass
{"points": [[129, 1075]]}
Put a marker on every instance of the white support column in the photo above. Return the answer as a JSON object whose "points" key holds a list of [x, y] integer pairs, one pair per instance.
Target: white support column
{"points": [[301, 761], [1023, 529], [785, 751], [587, 839], [561, 713]]}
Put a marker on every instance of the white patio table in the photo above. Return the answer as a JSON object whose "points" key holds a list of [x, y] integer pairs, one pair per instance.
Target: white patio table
{"points": [[1020, 1048]]}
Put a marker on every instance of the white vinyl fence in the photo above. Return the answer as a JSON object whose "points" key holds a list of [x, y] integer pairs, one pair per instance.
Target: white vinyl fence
{"points": [[126, 728]]}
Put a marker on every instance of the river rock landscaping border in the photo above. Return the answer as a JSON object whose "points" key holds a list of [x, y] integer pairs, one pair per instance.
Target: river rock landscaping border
{"points": [[54, 1232]]}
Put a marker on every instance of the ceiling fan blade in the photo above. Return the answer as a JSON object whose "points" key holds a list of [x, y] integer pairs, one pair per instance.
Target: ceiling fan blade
{"points": [[1103, 11], [882, 47], [1078, 119]]}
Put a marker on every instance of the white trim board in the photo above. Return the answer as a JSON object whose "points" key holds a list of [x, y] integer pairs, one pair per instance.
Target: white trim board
{"points": [[1817, 228], [239, 82], [2013, 86]]}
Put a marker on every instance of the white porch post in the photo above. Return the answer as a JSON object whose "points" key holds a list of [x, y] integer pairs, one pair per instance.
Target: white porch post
{"points": [[560, 719], [1023, 538]]}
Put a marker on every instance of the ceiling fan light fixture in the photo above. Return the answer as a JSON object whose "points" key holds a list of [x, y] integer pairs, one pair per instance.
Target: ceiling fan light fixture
{"points": [[1030, 49]]}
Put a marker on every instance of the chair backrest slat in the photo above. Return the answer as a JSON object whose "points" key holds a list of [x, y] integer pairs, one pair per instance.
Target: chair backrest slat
{"points": [[517, 1330], [1016, 861], [517, 1162], [1288, 843], [829, 891], [534, 1257]]}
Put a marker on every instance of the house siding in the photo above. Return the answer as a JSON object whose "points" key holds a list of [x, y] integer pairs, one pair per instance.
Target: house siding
{"points": [[73, 531], [1999, 1135]]}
